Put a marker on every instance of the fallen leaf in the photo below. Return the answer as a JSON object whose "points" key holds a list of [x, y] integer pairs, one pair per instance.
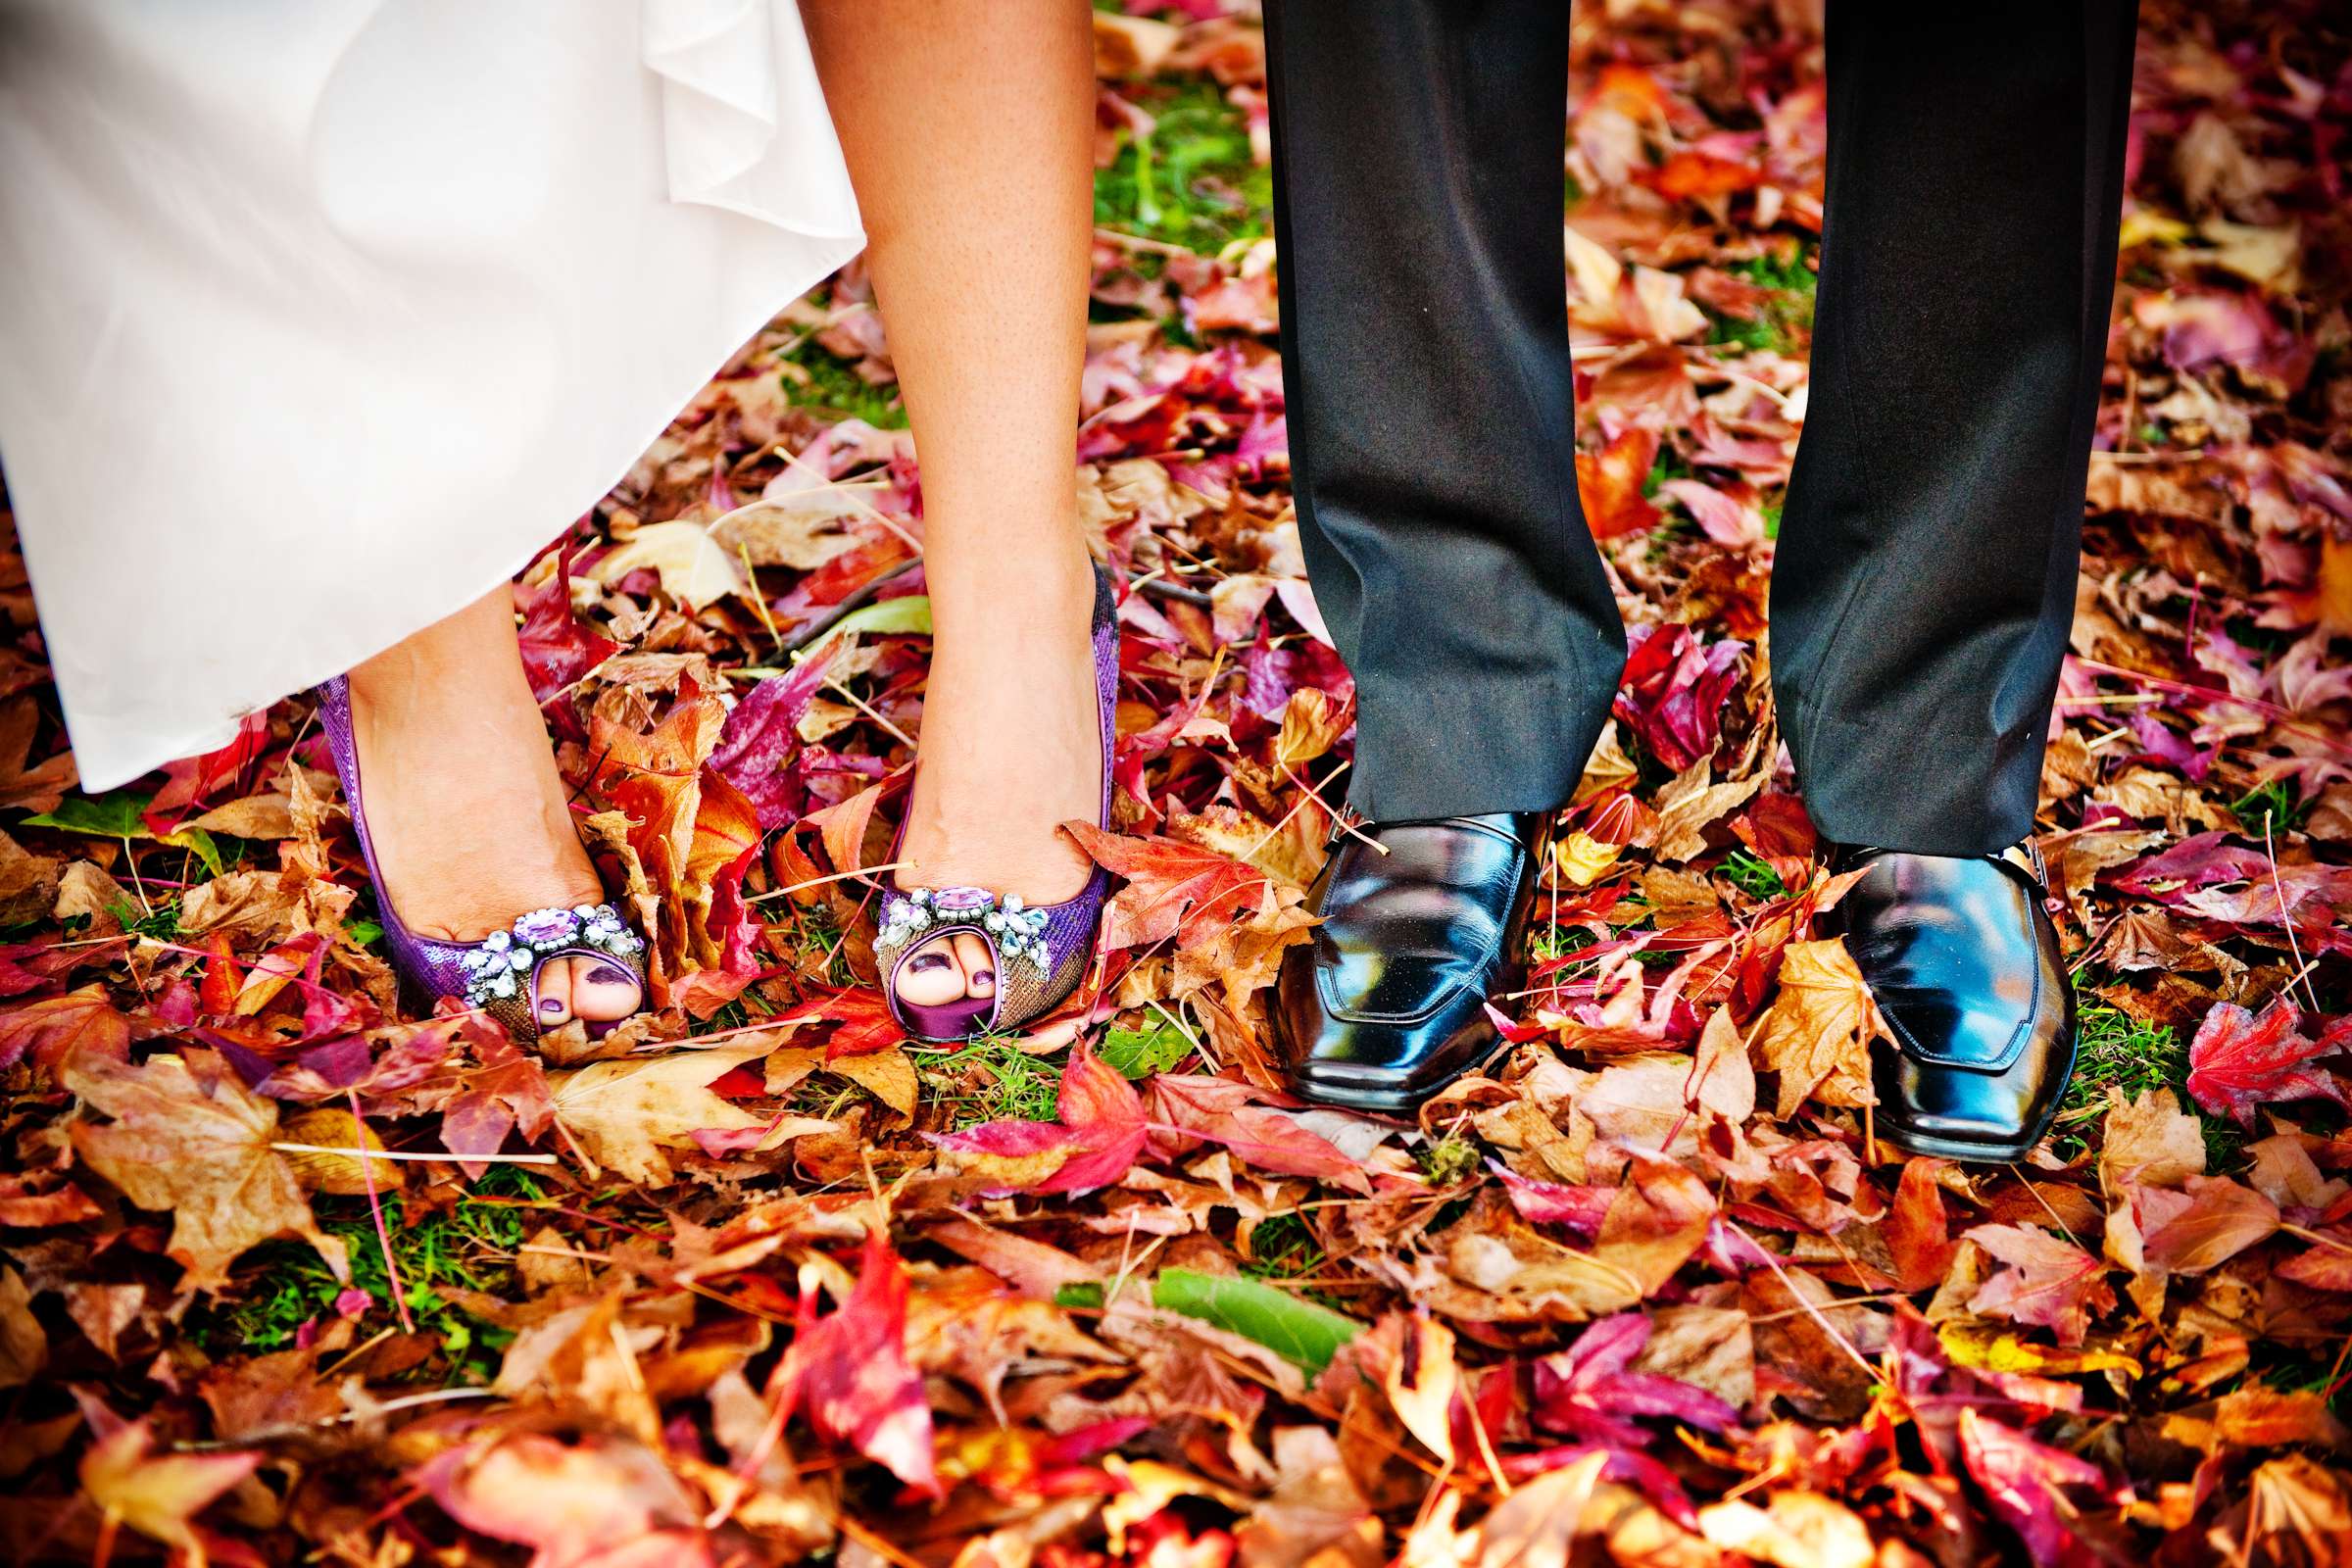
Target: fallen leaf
{"points": [[1817, 1034], [2045, 1280], [2239, 1060], [623, 1115], [2023, 1479], [23, 1343], [1100, 1134], [2149, 1139], [55, 1028], [602, 1502], [1421, 1382], [850, 1372], [158, 1495], [189, 1137], [1173, 889]]}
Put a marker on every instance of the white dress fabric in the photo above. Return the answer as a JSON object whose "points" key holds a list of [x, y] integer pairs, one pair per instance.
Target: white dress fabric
{"points": [[320, 317]]}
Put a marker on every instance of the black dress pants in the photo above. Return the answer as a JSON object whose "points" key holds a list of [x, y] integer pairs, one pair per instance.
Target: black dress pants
{"points": [[1925, 567]]}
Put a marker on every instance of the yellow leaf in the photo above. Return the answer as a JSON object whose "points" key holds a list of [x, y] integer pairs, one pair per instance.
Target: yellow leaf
{"points": [[1580, 857], [158, 1496], [2145, 225], [1311, 724], [694, 568], [1990, 1350]]}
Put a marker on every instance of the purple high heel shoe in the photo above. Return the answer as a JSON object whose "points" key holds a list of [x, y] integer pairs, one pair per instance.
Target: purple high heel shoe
{"points": [[500, 973], [1040, 954]]}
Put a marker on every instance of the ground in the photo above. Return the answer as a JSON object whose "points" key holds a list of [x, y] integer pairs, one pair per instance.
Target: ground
{"points": [[757, 1281]]}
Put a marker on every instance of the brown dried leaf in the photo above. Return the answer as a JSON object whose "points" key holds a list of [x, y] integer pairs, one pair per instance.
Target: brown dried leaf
{"points": [[23, 1343], [331, 1127], [1817, 1035], [188, 1137]]}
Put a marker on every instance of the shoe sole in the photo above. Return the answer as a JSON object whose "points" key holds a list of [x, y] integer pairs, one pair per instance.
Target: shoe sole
{"points": [[1390, 1102]]}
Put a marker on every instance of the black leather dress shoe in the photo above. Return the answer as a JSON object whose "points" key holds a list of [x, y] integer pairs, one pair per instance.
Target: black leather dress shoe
{"points": [[1388, 1004], [1966, 967]]}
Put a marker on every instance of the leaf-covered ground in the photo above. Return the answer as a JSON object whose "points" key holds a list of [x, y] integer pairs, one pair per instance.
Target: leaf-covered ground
{"points": [[756, 1282]]}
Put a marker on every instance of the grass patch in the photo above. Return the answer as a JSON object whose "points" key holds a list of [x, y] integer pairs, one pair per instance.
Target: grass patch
{"points": [[1284, 1248], [1190, 181], [802, 932], [1788, 317], [1547, 942], [1752, 875], [160, 924], [2294, 1367], [2274, 806], [992, 1080], [832, 385], [470, 1245], [2116, 1050]]}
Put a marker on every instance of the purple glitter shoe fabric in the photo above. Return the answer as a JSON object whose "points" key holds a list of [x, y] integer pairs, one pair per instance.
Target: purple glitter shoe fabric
{"points": [[432, 968], [1065, 943]]}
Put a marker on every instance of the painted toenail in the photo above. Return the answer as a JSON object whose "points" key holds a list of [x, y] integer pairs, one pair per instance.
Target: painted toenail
{"points": [[986, 977], [611, 974], [549, 1008]]}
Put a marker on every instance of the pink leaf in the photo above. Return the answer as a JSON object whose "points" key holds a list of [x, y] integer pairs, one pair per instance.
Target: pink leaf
{"points": [[2048, 1281], [1587, 1389], [2021, 1479]]}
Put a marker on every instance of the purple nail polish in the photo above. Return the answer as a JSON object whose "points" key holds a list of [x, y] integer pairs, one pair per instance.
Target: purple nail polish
{"points": [[549, 1008], [611, 974]]}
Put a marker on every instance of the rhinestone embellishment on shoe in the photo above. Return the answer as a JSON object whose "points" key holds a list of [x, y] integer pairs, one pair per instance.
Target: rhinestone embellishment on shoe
{"points": [[1019, 932], [497, 966]]}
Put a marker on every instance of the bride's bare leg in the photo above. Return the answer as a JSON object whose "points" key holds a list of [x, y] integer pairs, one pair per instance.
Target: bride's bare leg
{"points": [[968, 127], [464, 806]]}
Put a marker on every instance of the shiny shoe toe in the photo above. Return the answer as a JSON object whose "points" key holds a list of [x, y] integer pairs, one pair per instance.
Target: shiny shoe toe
{"points": [[1388, 1003], [1967, 971]]}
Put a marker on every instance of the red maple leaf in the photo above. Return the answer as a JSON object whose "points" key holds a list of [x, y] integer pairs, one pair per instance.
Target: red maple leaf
{"points": [[1700, 175], [1173, 889], [2241, 1059], [1542, 1202], [861, 1020], [1916, 1230], [2327, 1266], [55, 1026], [191, 781], [1673, 690], [558, 646], [850, 1372], [1097, 1138]]}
